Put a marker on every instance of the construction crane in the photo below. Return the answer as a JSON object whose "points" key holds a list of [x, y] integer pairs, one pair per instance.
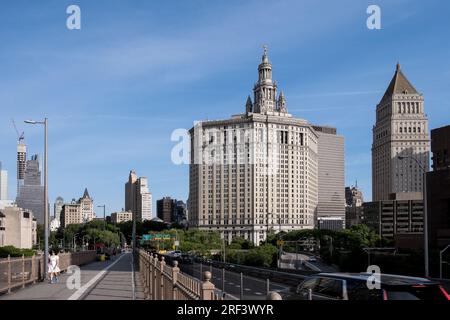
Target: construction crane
{"points": [[20, 136]]}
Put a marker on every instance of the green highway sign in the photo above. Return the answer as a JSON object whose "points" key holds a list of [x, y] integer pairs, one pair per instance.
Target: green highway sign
{"points": [[157, 236]]}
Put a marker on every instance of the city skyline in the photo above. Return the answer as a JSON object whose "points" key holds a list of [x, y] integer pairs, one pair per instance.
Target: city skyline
{"points": [[126, 121]]}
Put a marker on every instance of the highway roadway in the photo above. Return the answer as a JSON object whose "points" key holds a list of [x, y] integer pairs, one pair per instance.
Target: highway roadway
{"points": [[254, 289], [300, 261]]}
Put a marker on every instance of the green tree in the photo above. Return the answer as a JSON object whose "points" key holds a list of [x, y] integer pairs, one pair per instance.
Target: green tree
{"points": [[240, 243], [200, 242], [262, 256]]}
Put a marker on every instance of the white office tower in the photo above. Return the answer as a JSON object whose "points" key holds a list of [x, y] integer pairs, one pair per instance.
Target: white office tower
{"points": [[145, 200], [138, 198], [257, 172]]}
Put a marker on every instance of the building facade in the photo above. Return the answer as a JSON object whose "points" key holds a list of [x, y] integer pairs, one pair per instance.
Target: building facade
{"points": [[71, 214], [401, 215], [331, 175], [31, 193], [171, 210], [180, 213], [336, 223], [401, 130], [78, 212], [256, 172], [144, 200], [57, 208], [438, 190], [21, 163], [55, 223], [165, 209], [354, 200], [18, 228], [3, 183], [123, 216], [87, 207], [138, 198]]}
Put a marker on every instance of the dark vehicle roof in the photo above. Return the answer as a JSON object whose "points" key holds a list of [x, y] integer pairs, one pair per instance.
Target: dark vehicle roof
{"points": [[386, 279]]}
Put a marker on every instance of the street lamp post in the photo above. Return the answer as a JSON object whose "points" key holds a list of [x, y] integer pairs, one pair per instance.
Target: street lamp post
{"points": [[224, 257], [84, 246], [425, 212], [75, 241], [46, 217], [176, 239]]}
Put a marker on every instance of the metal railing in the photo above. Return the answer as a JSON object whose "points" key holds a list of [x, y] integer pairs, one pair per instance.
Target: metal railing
{"points": [[163, 282], [291, 278], [18, 272]]}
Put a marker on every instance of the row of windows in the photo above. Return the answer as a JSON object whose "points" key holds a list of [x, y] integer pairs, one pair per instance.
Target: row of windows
{"points": [[410, 130]]}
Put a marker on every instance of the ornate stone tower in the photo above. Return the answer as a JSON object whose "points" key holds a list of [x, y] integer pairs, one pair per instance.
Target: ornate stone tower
{"points": [[401, 130], [265, 90]]}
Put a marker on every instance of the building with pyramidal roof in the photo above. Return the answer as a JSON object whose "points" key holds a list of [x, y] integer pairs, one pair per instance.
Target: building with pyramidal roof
{"points": [[401, 142]]}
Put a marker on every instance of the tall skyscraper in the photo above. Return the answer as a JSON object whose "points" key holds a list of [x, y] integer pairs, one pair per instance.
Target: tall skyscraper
{"points": [[31, 193], [331, 203], [138, 198], [144, 200], [256, 172], [130, 192], [21, 163], [401, 129], [3, 183]]}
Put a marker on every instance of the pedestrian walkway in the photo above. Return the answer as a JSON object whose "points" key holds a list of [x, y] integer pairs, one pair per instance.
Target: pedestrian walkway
{"points": [[114, 279]]}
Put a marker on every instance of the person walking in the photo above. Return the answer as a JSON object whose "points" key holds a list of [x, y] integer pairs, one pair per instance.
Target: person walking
{"points": [[53, 267]]}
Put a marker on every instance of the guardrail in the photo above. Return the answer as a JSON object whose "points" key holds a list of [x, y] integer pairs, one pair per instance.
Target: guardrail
{"points": [[290, 277], [18, 272], [163, 282]]}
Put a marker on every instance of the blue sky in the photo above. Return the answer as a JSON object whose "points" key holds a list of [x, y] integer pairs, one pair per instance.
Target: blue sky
{"points": [[116, 89]]}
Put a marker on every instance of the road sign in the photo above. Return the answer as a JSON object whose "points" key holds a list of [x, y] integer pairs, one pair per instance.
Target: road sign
{"points": [[176, 243], [146, 237], [157, 236]]}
